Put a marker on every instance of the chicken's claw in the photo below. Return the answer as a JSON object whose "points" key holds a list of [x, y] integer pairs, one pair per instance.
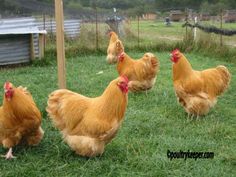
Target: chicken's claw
{"points": [[8, 155]]}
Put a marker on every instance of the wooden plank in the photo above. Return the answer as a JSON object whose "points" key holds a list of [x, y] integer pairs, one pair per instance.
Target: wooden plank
{"points": [[32, 52], [41, 45], [60, 44]]}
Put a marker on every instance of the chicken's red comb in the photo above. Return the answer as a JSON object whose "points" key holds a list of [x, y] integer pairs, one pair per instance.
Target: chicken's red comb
{"points": [[175, 51], [125, 78]]}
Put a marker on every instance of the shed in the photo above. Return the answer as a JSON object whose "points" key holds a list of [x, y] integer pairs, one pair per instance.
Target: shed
{"points": [[20, 41], [71, 27], [176, 15], [149, 16], [230, 16], [204, 16]]}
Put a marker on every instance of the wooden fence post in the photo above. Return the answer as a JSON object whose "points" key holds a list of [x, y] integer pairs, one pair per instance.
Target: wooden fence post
{"points": [[138, 32], [186, 21], [221, 26], [195, 29], [44, 36], [60, 44], [96, 11], [51, 26]]}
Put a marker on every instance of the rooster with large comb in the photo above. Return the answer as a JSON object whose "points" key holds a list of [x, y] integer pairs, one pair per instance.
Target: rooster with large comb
{"points": [[197, 91], [88, 124]]}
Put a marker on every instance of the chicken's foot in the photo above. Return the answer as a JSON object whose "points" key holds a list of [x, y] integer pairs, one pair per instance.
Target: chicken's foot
{"points": [[8, 155]]}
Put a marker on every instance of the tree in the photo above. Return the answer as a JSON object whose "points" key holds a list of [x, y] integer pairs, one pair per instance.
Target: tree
{"points": [[212, 9]]}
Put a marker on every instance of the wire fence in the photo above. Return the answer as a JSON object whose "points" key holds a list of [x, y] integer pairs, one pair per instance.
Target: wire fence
{"points": [[89, 28]]}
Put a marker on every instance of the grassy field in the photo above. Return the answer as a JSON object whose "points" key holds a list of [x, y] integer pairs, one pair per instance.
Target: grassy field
{"points": [[153, 124], [153, 31], [154, 35]]}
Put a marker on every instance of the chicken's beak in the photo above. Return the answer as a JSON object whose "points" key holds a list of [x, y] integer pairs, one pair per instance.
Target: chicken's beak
{"points": [[6, 92]]}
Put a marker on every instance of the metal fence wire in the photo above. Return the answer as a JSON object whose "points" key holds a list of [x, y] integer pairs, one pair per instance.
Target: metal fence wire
{"points": [[90, 27]]}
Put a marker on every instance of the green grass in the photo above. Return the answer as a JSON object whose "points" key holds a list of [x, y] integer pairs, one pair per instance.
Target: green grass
{"points": [[158, 31], [153, 124]]}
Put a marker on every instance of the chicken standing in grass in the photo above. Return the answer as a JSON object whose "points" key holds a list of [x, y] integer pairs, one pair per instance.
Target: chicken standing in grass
{"points": [[20, 119], [114, 48], [141, 73], [88, 124], [197, 91]]}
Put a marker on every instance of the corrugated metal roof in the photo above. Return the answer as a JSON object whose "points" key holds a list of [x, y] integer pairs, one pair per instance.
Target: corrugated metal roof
{"points": [[71, 27], [19, 26], [29, 25], [23, 31]]}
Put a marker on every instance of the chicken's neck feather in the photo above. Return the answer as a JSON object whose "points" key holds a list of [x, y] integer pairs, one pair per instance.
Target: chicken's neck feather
{"points": [[113, 101], [18, 105], [182, 68], [124, 63], [127, 59]]}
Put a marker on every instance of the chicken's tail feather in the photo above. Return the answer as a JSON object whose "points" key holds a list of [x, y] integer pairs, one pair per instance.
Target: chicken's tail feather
{"points": [[155, 63], [154, 67], [54, 107], [225, 76]]}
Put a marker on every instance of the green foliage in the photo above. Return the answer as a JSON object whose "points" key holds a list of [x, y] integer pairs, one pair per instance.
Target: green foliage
{"points": [[128, 7], [74, 5], [213, 9], [177, 4]]}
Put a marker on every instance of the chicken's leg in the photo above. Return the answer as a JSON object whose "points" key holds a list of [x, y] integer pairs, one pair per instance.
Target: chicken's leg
{"points": [[9, 155], [188, 115]]}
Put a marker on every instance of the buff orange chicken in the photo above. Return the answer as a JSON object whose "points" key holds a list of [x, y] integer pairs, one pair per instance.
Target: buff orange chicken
{"points": [[20, 119], [197, 91], [88, 124], [141, 73]]}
